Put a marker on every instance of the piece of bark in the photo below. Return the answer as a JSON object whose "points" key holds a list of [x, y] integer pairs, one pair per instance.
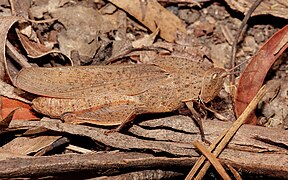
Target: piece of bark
{"points": [[116, 140], [255, 150], [174, 135], [28, 145], [187, 132]]}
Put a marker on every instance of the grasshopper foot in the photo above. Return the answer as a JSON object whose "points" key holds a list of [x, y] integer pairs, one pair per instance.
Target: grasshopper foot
{"points": [[205, 141], [111, 131]]}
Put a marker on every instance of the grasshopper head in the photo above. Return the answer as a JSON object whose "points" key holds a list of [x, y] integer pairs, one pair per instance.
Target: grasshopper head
{"points": [[212, 83]]}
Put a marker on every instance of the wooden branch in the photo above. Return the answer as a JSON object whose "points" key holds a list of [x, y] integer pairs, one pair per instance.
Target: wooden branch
{"points": [[254, 149], [114, 162]]}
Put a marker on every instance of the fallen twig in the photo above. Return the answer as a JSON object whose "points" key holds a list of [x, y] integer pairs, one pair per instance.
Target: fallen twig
{"points": [[236, 125]]}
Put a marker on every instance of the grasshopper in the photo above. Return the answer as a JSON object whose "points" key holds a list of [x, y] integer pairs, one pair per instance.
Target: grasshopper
{"points": [[115, 94]]}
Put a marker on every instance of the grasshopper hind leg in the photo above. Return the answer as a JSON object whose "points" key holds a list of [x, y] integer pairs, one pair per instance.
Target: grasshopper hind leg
{"points": [[106, 115], [128, 119]]}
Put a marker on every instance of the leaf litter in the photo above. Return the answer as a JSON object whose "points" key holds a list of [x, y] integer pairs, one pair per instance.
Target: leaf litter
{"points": [[98, 30]]}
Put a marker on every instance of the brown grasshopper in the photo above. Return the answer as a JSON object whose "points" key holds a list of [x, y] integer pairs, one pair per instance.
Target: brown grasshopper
{"points": [[115, 94]]}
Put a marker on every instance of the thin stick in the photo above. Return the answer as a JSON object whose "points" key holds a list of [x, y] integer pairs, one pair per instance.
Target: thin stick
{"points": [[42, 21], [236, 125], [213, 160], [78, 149], [12, 4], [201, 160], [234, 172]]}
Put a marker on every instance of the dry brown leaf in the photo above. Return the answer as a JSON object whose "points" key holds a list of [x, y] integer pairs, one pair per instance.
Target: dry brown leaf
{"points": [[276, 8], [34, 49], [153, 15]]}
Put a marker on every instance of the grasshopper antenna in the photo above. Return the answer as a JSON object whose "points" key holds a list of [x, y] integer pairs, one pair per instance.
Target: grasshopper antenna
{"points": [[239, 32]]}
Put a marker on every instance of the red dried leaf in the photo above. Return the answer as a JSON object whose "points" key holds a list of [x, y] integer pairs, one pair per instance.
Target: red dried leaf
{"points": [[253, 76], [24, 113]]}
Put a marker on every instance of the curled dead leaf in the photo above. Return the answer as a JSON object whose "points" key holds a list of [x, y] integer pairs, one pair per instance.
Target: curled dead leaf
{"points": [[254, 74]]}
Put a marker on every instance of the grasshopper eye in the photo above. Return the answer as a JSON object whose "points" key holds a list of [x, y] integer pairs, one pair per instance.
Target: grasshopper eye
{"points": [[215, 75]]}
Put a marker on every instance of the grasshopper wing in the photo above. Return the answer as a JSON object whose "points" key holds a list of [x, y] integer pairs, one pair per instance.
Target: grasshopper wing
{"points": [[87, 81]]}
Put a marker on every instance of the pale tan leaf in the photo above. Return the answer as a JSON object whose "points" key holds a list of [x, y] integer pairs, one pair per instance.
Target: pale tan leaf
{"points": [[153, 15], [276, 8]]}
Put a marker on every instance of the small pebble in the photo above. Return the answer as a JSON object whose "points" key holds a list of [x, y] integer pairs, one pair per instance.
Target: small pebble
{"points": [[189, 16]]}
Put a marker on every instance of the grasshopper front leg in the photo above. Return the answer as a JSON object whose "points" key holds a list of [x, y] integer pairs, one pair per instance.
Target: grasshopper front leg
{"points": [[197, 119]]}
